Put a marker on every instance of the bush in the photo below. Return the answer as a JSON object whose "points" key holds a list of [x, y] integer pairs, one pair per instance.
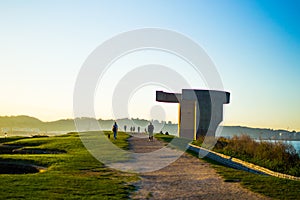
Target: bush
{"points": [[276, 156]]}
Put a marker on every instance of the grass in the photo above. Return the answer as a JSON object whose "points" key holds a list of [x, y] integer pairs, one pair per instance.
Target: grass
{"points": [[266, 185], [273, 187], [75, 174], [174, 142], [276, 156], [165, 138]]}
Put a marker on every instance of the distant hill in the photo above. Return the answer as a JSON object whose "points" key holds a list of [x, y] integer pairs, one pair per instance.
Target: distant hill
{"points": [[19, 121], [260, 133], [24, 124], [27, 124]]}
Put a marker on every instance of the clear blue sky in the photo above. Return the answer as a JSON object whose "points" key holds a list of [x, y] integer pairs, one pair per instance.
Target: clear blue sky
{"points": [[255, 46]]}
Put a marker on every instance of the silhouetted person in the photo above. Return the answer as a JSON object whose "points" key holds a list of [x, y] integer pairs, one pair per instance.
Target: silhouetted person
{"points": [[125, 127], [130, 128], [115, 130], [167, 133], [150, 131], [5, 135], [139, 128], [133, 128]]}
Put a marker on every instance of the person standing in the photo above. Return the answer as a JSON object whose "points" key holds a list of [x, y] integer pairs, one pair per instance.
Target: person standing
{"points": [[115, 130], [125, 127], [150, 131]]}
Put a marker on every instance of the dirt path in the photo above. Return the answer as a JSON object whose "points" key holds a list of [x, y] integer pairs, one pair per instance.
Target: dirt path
{"points": [[187, 178]]}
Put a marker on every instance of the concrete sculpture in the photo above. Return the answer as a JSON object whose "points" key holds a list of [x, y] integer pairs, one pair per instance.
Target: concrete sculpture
{"points": [[200, 111]]}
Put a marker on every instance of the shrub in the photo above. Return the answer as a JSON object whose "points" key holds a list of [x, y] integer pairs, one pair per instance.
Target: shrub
{"points": [[277, 156]]}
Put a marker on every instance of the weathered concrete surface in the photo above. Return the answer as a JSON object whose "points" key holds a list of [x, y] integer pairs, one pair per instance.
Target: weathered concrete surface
{"points": [[200, 113], [187, 178]]}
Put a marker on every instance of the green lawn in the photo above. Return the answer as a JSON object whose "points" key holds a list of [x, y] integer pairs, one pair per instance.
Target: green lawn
{"points": [[71, 174], [75, 174], [273, 187]]}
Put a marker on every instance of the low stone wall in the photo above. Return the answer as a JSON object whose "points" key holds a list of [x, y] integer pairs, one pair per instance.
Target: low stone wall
{"points": [[237, 163]]}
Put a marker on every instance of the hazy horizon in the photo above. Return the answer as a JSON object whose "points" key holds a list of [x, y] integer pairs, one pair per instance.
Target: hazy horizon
{"points": [[174, 123]]}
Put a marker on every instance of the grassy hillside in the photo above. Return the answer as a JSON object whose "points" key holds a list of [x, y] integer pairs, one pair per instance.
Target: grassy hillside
{"points": [[68, 170]]}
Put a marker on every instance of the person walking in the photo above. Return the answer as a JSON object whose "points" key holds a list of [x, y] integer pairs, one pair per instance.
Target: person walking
{"points": [[150, 131], [115, 130]]}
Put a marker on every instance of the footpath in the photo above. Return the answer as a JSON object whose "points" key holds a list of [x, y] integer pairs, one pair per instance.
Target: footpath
{"points": [[186, 178]]}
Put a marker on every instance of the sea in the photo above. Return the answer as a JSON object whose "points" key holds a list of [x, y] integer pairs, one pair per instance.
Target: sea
{"points": [[296, 144]]}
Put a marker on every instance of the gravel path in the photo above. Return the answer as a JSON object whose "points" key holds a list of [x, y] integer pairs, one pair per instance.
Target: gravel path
{"points": [[187, 178]]}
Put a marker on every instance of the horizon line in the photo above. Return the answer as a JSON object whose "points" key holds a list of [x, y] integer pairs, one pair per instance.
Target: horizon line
{"points": [[160, 121]]}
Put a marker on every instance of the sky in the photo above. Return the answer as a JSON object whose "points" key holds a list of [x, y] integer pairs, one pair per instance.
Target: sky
{"points": [[255, 46]]}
